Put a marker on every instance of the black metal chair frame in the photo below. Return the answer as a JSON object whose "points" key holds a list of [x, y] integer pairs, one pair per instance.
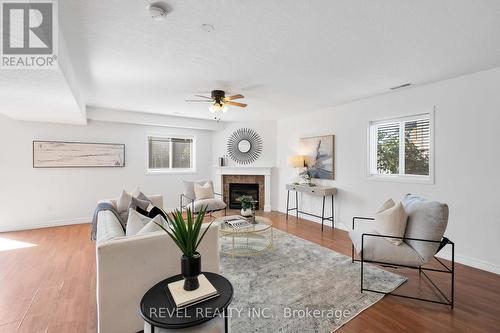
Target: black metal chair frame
{"points": [[191, 202], [421, 270]]}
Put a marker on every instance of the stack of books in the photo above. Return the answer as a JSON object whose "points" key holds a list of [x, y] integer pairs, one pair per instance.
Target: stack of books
{"points": [[183, 298], [237, 222]]}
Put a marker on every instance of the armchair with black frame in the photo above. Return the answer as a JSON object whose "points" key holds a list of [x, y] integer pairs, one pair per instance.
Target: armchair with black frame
{"points": [[188, 198], [423, 239]]}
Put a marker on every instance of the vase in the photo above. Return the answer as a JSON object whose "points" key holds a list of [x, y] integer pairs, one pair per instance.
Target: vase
{"points": [[190, 269], [246, 212]]}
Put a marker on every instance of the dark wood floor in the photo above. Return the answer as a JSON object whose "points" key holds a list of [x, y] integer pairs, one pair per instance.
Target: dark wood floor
{"points": [[50, 287]]}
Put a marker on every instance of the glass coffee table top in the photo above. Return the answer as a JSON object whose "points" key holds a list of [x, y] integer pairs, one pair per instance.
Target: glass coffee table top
{"points": [[250, 240]]}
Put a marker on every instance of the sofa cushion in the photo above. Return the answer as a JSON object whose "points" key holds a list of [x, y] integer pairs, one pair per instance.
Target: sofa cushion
{"points": [[212, 204], [426, 220], [152, 225], [378, 249], [135, 222], [143, 204], [123, 202], [391, 222]]}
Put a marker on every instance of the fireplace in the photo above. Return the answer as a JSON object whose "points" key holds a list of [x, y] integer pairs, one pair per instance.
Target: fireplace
{"points": [[236, 190]]}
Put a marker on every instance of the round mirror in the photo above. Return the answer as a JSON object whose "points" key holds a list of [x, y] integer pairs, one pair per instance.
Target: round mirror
{"points": [[244, 146]]}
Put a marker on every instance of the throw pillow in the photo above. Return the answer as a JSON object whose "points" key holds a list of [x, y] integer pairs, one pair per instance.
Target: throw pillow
{"points": [[151, 226], [189, 188], [136, 193], [386, 205], [392, 222], [155, 211], [124, 201], [203, 192], [135, 222], [143, 204]]}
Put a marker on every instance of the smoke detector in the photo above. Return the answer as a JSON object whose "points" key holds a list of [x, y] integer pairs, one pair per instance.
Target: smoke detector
{"points": [[157, 11]]}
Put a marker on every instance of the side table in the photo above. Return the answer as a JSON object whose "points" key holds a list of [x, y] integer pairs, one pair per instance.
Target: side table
{"points": [[158, 308]]}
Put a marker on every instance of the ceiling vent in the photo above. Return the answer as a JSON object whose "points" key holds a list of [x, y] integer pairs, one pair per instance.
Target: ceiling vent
{"points": [[401, 86]]}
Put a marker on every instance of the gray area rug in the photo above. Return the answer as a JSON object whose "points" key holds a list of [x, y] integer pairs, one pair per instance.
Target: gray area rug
{"points": [[299, 286]]}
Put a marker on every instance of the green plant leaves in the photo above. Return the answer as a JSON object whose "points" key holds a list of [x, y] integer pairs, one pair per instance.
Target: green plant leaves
{"points": [[185, 232]]}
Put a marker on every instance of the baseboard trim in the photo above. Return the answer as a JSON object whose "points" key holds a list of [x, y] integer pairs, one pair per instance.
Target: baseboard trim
{"points": [[469, 261], [48, 224], [445, 253]]}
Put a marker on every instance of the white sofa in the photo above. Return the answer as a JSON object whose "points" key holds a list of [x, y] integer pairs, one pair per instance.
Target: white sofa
{"points": [[128, 266]]}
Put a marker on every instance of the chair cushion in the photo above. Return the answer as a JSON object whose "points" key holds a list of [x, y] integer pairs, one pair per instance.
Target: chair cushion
{"points": [[212, 205], [378, 249], [426, 220], [205, 191], [391, 222], [189, 187]]}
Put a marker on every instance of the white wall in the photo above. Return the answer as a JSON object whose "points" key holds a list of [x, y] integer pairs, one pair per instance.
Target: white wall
{"points": [[467, 158], [41, 197]]}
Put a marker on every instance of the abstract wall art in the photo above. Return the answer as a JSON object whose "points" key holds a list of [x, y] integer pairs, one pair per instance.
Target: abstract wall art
{"points": [[58, 154], [319, 155]]}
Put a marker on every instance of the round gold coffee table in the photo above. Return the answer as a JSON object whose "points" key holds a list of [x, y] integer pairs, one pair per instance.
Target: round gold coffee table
{"points": [[251, 240]]}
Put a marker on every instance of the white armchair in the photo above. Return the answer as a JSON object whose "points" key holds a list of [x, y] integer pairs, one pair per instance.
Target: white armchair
{"points": [[423, 239]]}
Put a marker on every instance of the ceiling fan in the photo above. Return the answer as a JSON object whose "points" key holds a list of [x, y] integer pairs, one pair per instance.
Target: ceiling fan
{"points": [[219, 102]]}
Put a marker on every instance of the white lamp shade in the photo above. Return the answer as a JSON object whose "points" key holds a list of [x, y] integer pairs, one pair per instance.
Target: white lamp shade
{"points": [[296, 161]]}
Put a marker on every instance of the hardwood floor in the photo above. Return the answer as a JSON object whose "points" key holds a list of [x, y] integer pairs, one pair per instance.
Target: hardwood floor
{"points": [[50, 287]]}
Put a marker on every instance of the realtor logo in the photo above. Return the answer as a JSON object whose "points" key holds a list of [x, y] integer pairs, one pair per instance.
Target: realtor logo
{"points": [[29, 34]]}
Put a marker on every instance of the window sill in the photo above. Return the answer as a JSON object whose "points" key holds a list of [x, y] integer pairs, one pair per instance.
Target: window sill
{"points": [[402, 179], [150, 172]]}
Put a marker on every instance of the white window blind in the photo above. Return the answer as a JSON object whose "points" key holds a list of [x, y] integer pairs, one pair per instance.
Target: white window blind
{"points": [[170, 153], [401, 147]]}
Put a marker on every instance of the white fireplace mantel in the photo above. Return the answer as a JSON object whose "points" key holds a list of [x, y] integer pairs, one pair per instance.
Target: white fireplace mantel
{"points": [[244, 170]]}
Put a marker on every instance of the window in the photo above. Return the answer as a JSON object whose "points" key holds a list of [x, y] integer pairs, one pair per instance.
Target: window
{"points": [[401, 148], [170, 154]]}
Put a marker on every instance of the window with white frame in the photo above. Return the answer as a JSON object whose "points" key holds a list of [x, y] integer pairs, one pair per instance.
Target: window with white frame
{"points": [[401, 148], [170, 153]]}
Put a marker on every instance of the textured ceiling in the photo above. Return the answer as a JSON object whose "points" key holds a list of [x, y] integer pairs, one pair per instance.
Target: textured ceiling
{"points": [[285, 56]]}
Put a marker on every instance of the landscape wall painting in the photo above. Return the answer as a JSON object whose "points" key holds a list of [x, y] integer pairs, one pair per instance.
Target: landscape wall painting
{"points": [[319, 154], [55, 154]]}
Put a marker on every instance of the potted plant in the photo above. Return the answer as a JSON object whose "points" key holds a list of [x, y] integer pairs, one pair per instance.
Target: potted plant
{"points": [[247, 205], [185, 233]]}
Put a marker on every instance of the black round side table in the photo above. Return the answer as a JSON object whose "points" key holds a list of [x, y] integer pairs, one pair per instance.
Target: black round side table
{"points": [[158, 308]]}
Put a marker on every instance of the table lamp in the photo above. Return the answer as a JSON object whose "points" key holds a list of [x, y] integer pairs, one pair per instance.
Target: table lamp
{"points": [[297, 162]]}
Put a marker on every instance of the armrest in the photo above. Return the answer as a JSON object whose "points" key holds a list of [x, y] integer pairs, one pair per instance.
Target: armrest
{"points": [[354, 218], [403, 238], [190, 200]]}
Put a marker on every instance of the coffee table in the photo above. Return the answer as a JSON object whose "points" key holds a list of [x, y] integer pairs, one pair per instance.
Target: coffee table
{"points": [[251, 240]]}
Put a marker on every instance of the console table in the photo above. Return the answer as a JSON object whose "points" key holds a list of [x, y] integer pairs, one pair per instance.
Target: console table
{"points": [[320, 191]]}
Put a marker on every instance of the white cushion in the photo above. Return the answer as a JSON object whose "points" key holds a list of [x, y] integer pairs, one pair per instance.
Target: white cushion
{"points": [[152, 225], [212, 204], [203, 192], [426, 220], [135, 222], [189, 188], [391, 222], [386, 205], [377, 249], [123, 202]]}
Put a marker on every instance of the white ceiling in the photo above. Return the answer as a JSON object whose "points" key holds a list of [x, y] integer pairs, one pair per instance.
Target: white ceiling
{"points": [[285, 56]]}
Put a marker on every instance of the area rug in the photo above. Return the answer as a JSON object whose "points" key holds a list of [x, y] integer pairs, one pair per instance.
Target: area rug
{"points": [[299, 286]]}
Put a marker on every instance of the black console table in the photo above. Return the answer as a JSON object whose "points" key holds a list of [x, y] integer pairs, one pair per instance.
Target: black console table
{"points": [[320, 191]]}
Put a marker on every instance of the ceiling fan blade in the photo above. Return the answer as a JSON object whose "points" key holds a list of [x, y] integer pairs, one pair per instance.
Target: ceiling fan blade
{"points": [[198, 100], [210, 98], [237, 96], [241, 105]]}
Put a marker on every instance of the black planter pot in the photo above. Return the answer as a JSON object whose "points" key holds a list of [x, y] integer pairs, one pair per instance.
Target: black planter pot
{"points": [[190, 269]]}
